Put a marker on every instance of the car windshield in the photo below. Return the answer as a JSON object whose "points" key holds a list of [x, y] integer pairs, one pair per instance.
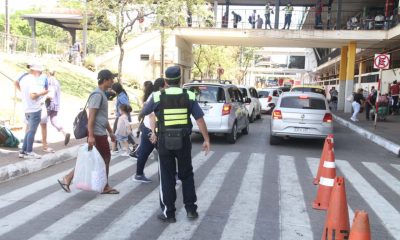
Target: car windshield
{"points": [[263, 93], [208, 94], [309, 89], [303, 103], [244, 92]]}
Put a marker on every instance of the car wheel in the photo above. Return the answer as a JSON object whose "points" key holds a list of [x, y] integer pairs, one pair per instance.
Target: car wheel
{"points": [[232, 136], [252, 117], [259, 115], [246, 130], [274, 140]]}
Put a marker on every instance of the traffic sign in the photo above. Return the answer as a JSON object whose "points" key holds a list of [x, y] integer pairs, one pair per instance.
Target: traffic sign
{"points": [[381, 61]]}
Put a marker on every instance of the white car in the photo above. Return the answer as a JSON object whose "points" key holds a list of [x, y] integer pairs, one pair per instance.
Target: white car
{"points": [[300, 115], [254, 107], [268, 98]]}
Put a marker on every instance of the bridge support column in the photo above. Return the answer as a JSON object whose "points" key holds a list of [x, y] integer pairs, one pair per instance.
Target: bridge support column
{"points": [[184, 58], [277, 4], [342, 78], [351, 62]]}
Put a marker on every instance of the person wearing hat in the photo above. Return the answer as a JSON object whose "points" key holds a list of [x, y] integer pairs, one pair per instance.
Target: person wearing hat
{"points": [[98, 126], [31, 92], [173, 107]]}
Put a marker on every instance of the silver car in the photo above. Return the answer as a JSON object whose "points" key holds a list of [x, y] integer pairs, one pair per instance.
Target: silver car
{"points": [[268, 98], [300, 115], [254, 107], [224, 109]]}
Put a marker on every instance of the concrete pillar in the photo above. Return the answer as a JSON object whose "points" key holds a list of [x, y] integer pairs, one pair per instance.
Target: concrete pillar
{"points": [[342, 78], [277, 4], [339, 15], [351, 62], [32, 24], [361, 70], [215, 13], [72, 32]]}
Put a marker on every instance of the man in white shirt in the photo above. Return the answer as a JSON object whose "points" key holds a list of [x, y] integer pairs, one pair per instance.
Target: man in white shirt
{"points": [[31, 91]]}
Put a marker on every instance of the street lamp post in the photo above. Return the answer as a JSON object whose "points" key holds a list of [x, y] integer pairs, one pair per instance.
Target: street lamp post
{"points": [[85, 28], [162, 49]]}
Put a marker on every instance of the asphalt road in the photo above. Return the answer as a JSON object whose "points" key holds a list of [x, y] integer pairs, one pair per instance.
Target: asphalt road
{"points": [[249, 190]]}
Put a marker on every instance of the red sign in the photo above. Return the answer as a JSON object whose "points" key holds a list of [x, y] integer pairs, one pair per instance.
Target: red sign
{"points": [[382, 61]]}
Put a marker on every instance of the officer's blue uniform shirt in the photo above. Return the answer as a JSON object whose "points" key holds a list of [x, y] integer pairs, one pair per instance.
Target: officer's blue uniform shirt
{"points": [[194, 108]]}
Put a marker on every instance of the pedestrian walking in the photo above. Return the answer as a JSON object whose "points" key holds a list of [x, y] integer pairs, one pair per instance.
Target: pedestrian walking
{"points": [[260, 22], [252, 19], [288, 15], [334, 98], [370, 102], [394, 92], [146, 147], [122, 99], [124, 129], [98, 126], [267, 14], [318, 14], [173, 107], [236, 19], [358, 100], [53, 105], [31, 90]]}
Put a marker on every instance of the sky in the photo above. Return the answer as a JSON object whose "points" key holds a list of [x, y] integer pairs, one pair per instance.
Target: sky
{"points": [[15, 5]]}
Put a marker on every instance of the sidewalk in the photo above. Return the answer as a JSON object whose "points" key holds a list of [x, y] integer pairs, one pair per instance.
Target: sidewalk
{"points": [[11, 166], [386, 133]]}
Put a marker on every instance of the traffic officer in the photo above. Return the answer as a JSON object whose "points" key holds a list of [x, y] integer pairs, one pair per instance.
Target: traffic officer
{"points": [[173, 107]]}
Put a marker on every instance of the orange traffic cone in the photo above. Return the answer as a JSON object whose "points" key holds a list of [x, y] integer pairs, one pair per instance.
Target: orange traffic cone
{"points": [[326, 181], [328, 144], [337, 225], [360, 229]]}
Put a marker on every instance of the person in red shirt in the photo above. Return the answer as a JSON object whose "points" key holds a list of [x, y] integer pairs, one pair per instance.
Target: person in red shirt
{"points": [[394, 92]]}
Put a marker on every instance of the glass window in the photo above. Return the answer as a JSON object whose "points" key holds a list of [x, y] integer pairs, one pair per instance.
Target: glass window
{"points": [[263, 94], [303, 103], [308, 89], [243, 91], [209, 94]]}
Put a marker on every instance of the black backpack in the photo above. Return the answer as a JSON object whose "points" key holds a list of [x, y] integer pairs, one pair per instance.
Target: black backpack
{"points": [[81, 121], [250, 18], [239, 18]]}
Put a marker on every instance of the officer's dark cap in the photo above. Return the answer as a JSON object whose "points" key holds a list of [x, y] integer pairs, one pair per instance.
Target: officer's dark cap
{"points": [[105, 74], [173, 73]]}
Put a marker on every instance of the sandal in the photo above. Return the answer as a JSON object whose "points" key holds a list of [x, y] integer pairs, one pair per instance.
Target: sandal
{"points": [[48, 150], [63, 185], [110, 191]]}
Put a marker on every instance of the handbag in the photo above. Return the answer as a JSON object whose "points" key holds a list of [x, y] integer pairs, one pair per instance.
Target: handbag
{"points": [[81, 121]]}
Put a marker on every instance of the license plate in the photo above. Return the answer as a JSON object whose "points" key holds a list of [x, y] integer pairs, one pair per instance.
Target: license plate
{"points": [[301, 130]]}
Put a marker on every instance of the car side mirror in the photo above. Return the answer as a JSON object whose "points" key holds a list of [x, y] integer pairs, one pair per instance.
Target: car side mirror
{"points": [[248, 100]]}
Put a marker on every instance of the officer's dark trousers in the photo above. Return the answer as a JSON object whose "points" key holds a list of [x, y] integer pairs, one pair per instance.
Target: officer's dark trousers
{"points": [[167, 171]]}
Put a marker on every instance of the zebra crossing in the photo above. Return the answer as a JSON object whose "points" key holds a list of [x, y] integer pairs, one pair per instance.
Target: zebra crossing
{"points": [[18, 209]]}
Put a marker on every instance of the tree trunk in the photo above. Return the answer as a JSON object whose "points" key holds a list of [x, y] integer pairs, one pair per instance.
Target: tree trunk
{"points": [[121, 55]]}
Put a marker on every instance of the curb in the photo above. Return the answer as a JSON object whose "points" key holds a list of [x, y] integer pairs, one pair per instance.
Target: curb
{"points": [[25, 167], [389, 145]]}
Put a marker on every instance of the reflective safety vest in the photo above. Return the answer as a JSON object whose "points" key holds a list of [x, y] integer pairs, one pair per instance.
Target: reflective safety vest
{"points": [[174, 108], [289, 10]]}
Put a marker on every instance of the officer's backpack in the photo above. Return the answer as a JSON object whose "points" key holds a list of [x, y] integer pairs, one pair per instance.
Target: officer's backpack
{"points": [[239, 18], [250, 19], [7, 138]]}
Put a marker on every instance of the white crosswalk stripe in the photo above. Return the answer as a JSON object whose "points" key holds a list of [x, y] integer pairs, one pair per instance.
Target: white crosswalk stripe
{"points": [[396, 166], [294, 219], [77, 218], [136, 215], [384, 176], [33, 210], [243, 215], [389, 216], [206, 194]]}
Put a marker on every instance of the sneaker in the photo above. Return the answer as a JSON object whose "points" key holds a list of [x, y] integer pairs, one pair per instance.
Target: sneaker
{"points": [[133, 154], [141, 178], [32, 155], [353, 119], [21, 154], [113, 153], [124, 154], [192, 215], [163, 218]]}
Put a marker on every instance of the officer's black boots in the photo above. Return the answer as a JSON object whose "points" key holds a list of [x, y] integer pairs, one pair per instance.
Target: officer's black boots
{"points": [[191, 215], [163, 218]]}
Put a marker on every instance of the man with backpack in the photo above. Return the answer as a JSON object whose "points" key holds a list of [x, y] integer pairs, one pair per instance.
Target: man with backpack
{"points": [[236, 18]]}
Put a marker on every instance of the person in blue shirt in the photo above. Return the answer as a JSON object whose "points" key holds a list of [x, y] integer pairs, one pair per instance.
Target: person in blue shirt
{"points": [[173, 107]]}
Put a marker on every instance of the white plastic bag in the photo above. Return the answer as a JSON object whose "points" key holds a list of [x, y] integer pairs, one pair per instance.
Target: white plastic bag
{"points": [[350, 98], [90, 170]]}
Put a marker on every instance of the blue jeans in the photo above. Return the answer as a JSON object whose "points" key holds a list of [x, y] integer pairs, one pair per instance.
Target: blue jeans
{"points": [[33, 120], [145, 148]]}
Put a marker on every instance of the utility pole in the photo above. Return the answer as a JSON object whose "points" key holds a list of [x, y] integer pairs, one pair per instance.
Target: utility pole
{"points": [[85, 28], [162, 49], [7, 49]]}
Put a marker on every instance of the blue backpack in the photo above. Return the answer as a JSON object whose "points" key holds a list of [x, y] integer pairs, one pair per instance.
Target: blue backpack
{"points": [[7, 138]]}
